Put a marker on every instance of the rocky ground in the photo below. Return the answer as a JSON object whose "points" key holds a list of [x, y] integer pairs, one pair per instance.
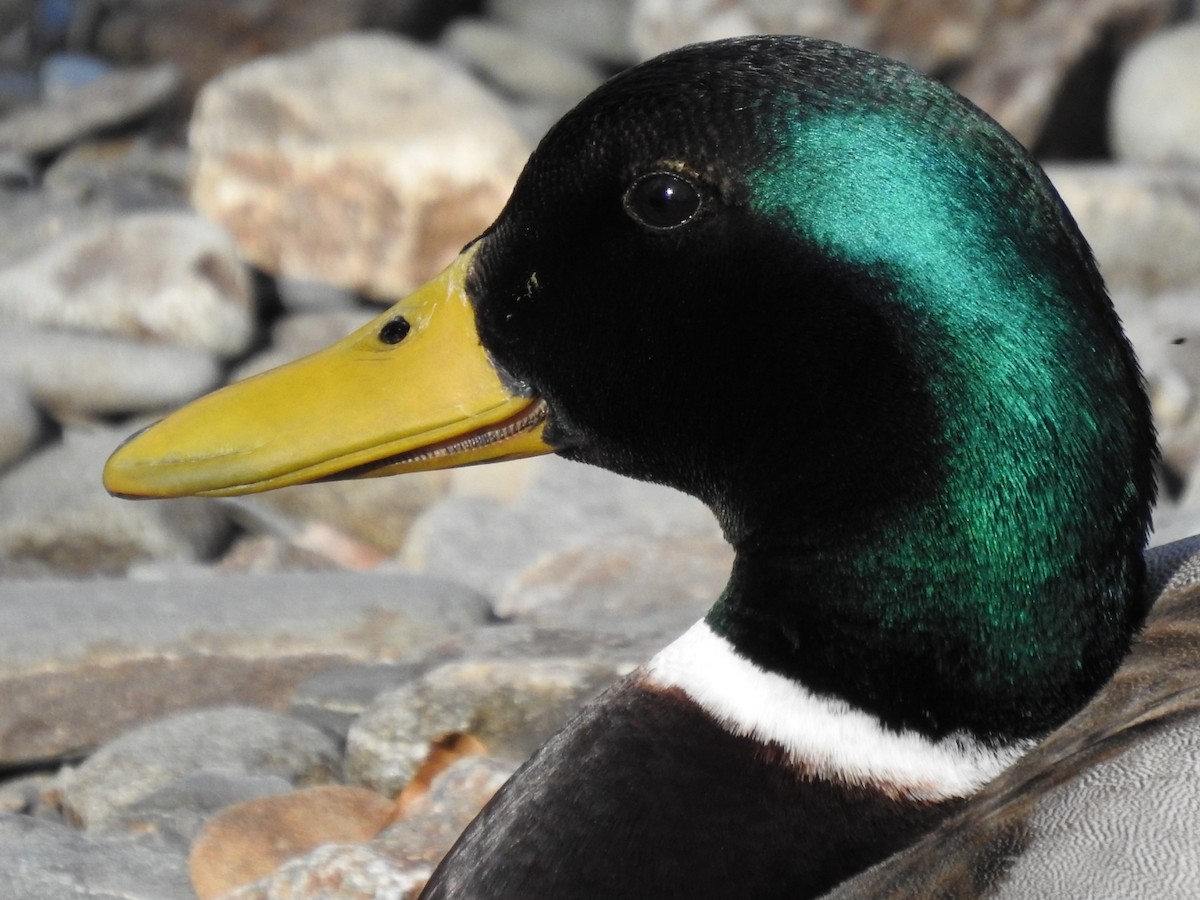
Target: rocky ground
{"points": [[193, 191]]}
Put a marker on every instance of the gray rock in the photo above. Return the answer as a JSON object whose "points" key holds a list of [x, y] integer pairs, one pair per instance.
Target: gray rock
{"points": [[72, 372], [168, 277], [521, 65], [601, 31], [300, 295], [365, 161], [359, 871], [112, 100], [251, 741], [333, 699], [82, 662], [299, 335], [1154, 112], [47, 861], [1142, 222], [622, 584], [20, 424], [175, 813], [132, 173], [512, 707], [54, 509], [485, 543]]}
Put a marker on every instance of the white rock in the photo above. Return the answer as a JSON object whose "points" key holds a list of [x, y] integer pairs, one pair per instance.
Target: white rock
{"points": [[519, 64], [167, 276], [1154, 113], [90, 373], [1143, 222], [365, 161], [20, 424]]}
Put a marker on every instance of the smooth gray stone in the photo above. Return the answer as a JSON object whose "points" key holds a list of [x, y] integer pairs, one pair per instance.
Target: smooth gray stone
{"points": [[236, 738], [42, 860], [175, 813], [80, 662], [55, 511], [602, 31], [70, 371], [485, 543], [20, 424], [1154, 107], [333, 699], [111, 100]]}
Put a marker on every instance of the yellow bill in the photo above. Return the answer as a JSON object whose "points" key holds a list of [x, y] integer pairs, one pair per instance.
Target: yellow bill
{"points": [[411, 390]]}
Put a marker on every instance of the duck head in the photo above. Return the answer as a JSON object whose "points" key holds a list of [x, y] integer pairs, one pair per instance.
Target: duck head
{"points": [[825, 295]]}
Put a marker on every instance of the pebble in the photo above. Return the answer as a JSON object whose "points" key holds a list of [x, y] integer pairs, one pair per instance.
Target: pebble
{"points": [[131, 174], [600, 31], [106, 102], [1154, 114], [510, 706], [485, 543], [140, 762], [42, 860], [20, 423], [252, 839], [1143, 222], [162, 277], [520, 65], [365, 161], [80, 663], [71, 372], [660, 585], [54, 509]]}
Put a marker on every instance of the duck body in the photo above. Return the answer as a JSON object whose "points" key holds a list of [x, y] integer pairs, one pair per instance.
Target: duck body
{"points": [[841, 306]]}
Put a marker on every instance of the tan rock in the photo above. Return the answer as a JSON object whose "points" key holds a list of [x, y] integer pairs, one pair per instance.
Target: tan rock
{"points": [[250, 840], [365, 161]]}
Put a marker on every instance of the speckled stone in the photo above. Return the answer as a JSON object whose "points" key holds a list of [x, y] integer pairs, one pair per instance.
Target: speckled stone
{"points": [[140, 762]]}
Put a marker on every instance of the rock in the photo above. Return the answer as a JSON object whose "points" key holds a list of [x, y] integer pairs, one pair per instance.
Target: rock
{"points": [[131, 174], [53, 508], [302, 295], [521, 65], [1142, 222], [106, 102], [333, 699], [49, 861], [205, 40], [72, 372], [245, 740], [511, 707], [654, 584], [82, 662], [1042, 74], [252, 839], [344, 871], [299, 335], [399, 861], [27, 795], [168, 277], [20, 424], [484, 543], [1013, 59], [377, 512], [365, 161], [175, 813], [601, 31], [1155, 107], [63, 73]]}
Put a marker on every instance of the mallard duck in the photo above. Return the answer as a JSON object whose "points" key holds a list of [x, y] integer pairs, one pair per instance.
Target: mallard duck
{"points": [[839, 304]]}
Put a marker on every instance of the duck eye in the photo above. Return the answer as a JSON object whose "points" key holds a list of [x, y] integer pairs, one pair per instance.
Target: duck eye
{"points": [[662, 200]]}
